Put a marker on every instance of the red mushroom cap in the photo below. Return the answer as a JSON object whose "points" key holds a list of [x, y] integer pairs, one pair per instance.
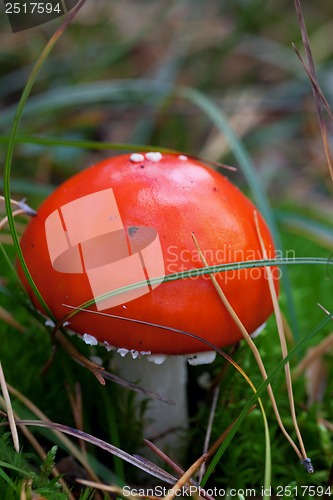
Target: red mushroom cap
{"points": [[130, 218]]}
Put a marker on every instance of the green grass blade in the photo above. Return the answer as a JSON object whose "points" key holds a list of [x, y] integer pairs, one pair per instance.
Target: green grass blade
{"points": [[125, 91], [268, 457], [6, 465], [200, 272], [119, 468], [6, 478], [252, 177], [10, 150], [259, 392], [322, 234], [49, 141], [27, 187], [8, 261]]}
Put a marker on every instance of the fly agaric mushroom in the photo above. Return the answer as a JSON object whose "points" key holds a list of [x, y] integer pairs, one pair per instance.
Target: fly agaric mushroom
{"points": [[130, 219]]}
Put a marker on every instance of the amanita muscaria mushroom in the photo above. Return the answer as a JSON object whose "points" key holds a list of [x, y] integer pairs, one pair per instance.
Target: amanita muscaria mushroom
{"points": [[130, 218]]}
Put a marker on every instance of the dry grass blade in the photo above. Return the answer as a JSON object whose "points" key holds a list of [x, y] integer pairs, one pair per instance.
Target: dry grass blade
{"points": [[114, 489], [40, 451], [314, 82], [175, 467], [66, 442], [215, 446], [209, 429], [76, 405], [314, 353], [22, 208], [9, 410], [99, 372], [279, 324], [4, 221], [26, 489], [185, 478], [136, 388], [324, 309], [253, 348], [311, 71], [164, 457], [214, 164], [22, 205], [326, 423], [150, 468], [75, 354], [10, 320]]}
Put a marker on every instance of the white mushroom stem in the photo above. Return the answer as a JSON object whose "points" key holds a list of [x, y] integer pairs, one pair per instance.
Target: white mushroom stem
{"points": [[166, 376], [169, 379]]}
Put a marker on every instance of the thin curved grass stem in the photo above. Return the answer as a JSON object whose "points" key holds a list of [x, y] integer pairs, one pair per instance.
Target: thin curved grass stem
{"points": [[11, 145], [202, 469], [77, 454], [253, 348], [185, 477], [284, 349], [40, 451]]}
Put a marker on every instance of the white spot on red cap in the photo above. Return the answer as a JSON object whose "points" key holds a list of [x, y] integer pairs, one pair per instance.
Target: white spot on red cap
{"points": [[201, 358], [154, 156], [258, 331], [182, 157], [122, 351], [137, 157], [158, 359], [49, 322], [89, 339], [107, 346]]}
